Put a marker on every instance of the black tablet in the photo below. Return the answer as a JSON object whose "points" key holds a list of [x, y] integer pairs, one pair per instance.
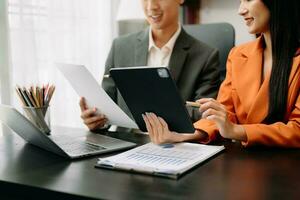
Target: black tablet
{"points": [[152, 89]]}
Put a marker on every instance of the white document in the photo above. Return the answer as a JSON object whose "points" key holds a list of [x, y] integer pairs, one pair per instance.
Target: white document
{"points": [[86, 86], [169, 160]]}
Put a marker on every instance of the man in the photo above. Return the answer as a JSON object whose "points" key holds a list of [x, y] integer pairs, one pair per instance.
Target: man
{"points": [[193, 65]]}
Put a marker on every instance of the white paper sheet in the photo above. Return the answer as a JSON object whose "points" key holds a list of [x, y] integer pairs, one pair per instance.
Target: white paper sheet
{"points": [[168, 160], [86, 86]]}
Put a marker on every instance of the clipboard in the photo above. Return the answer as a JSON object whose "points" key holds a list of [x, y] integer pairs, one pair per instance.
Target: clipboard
{"points": [[167, 160], [152, 89]]}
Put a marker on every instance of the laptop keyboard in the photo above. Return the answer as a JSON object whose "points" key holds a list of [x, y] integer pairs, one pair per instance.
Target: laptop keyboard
{"points": [[80, 147], [76, 146]]}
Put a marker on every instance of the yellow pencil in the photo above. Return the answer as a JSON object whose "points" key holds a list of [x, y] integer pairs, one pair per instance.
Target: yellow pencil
{"points": [[192, 104], [50, 94], [32, 91]]}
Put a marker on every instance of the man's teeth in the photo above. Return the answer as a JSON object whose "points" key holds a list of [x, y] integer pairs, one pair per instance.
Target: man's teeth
{"points": [[155, 16]]}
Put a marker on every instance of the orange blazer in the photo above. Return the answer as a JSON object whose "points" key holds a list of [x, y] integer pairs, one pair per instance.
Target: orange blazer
{"points": [[245, 96]]}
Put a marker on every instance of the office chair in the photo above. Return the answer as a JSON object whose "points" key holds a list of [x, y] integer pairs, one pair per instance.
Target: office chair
{"points": [[217, 35]]}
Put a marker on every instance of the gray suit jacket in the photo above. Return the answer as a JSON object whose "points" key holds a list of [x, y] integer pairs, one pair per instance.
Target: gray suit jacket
{"points": [[193, 65]]}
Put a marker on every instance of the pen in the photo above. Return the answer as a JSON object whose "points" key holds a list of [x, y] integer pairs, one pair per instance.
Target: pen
{"points": [[192, 104]]}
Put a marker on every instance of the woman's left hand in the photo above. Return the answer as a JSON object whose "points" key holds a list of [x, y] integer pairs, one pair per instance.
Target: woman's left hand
{"points": [[158, 130], [213, 110]]}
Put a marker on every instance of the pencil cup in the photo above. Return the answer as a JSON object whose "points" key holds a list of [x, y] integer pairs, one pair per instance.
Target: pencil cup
{"points": [[39, 116]]}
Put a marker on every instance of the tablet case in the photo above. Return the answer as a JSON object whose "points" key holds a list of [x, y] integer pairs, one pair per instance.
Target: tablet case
{"points": [[152, 89]]}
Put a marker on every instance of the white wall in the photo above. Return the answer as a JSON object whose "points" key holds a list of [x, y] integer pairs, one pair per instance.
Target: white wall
{"points": [[225, 11], [4, 57], [4, 54]]}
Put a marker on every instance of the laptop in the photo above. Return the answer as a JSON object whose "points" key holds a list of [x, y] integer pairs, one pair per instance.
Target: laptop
{"points": [[64, 145], [152, 89]]}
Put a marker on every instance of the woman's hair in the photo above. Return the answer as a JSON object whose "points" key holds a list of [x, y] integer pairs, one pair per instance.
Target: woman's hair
{"points": [[285, 34]]}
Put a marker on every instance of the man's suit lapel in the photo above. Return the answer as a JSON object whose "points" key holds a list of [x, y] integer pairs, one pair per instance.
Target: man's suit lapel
{"points": [[179, 54], [141, 49]]}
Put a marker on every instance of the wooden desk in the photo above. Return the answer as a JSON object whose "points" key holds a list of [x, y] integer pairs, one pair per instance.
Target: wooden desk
{"points": [[27, 172]]}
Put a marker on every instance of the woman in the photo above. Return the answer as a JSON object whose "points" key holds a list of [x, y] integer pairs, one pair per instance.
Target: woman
{"points": [[259, 101]]}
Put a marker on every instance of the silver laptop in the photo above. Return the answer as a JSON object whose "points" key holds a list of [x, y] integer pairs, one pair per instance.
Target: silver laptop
{"points": [[65, 145]]}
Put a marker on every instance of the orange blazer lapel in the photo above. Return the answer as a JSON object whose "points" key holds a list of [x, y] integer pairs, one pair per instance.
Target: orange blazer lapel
{"points": [[247, 78], [294, 83]]}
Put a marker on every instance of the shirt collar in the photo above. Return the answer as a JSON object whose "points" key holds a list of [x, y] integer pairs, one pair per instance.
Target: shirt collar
{"points": [[170, 44]]}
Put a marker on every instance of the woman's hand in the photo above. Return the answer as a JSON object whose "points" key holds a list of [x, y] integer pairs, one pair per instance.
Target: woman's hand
{"points": [[159, 131], [213, 110]]}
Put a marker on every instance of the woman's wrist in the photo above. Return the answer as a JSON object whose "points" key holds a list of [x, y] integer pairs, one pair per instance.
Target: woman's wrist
{"points": [[196, 136], [239, 133]]}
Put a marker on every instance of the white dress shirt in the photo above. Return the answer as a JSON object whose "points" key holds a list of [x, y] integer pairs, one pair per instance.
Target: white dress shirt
{"points": [[160, 57]]}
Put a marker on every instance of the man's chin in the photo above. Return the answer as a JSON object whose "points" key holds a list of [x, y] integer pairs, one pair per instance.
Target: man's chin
{"points": [[156, 26]]}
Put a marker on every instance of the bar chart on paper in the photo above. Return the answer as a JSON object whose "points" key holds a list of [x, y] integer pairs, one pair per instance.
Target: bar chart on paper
{"points": [[170, 160], [162, 156]]}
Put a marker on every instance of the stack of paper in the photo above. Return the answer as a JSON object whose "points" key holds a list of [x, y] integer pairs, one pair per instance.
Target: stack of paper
{"points": [[169, 160]]}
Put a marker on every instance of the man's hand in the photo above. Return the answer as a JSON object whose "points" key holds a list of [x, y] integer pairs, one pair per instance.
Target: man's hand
{"points": [[90, 118]]}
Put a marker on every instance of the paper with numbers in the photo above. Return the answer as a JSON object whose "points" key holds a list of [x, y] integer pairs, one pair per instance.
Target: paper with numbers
{"points": [[170, 160]]}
